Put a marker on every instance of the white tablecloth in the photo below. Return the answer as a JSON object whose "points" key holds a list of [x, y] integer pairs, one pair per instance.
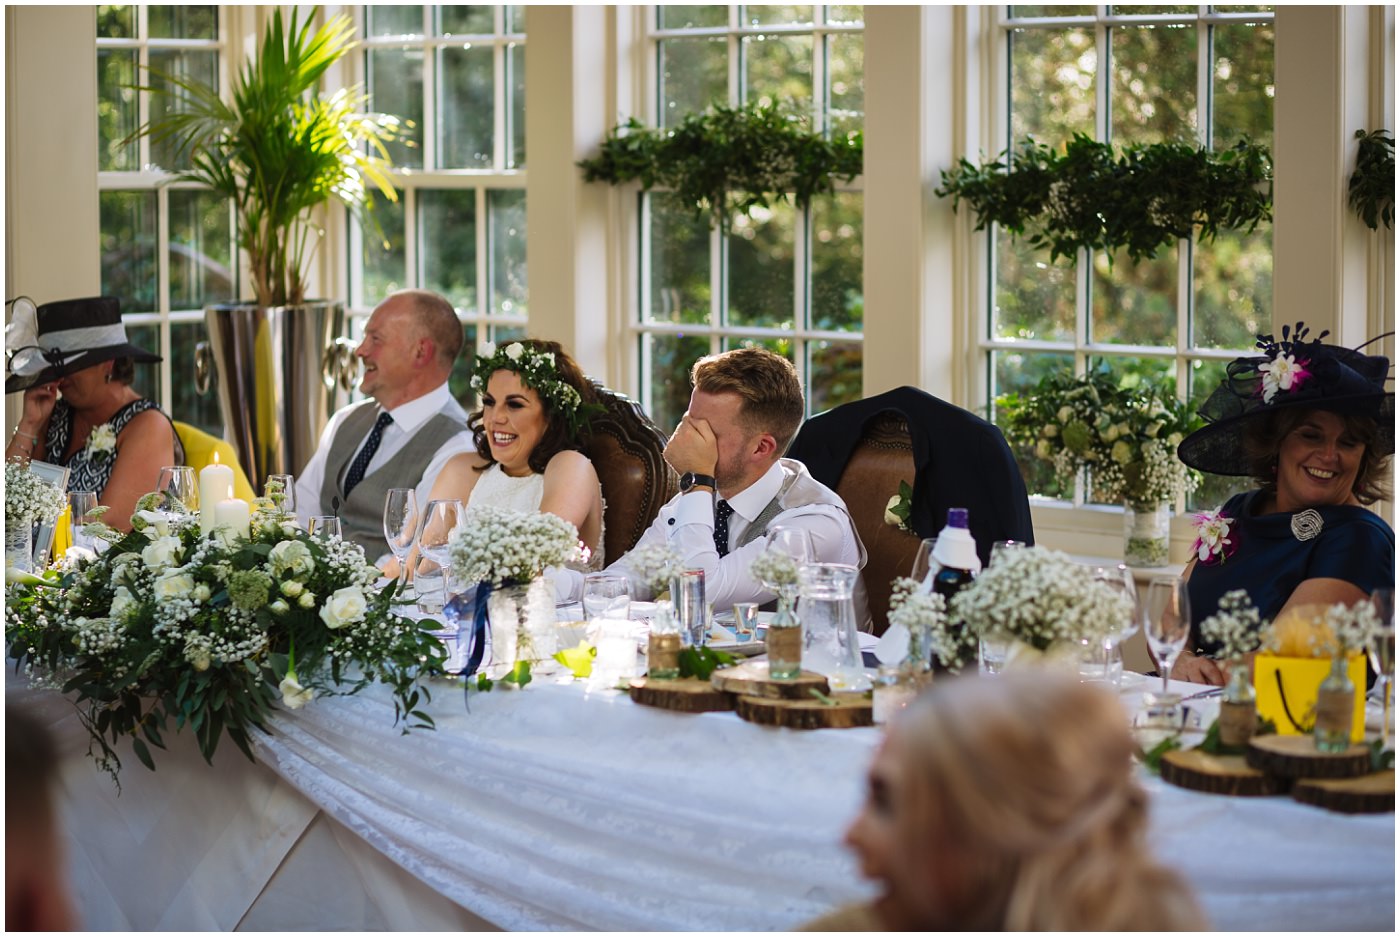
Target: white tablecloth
{"points": [[550, 808]]}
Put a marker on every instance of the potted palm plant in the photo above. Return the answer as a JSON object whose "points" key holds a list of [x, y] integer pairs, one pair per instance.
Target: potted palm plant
{"points": [[280, 148]]}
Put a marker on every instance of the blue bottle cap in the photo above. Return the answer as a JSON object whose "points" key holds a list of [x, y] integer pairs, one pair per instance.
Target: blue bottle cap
{"points": [[957, 517]]}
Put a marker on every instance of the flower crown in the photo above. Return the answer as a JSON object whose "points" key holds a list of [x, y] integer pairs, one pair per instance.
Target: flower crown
{"points": [[537, 369]]}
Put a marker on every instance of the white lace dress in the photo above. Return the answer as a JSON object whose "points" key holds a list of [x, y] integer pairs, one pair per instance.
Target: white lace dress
{"points": [[525, 493]]}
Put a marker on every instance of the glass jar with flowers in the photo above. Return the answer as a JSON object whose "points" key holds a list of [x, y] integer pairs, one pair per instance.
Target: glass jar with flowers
{"points": [[29, 500], [1123, 434], [1237, 630]]}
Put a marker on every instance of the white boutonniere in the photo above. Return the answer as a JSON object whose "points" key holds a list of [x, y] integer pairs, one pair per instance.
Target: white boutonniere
{"points": [[102, 443], [900, 507]]}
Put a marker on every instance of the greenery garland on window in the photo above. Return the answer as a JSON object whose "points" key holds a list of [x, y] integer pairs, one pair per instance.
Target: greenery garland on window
{"points": [[1141, 198], [728, 159], [1371, 189]]}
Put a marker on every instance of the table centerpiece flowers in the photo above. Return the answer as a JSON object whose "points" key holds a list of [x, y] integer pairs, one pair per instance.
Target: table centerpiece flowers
{"points": [[29, 500], [168, 626], [1124, 433], [502, 555], [1042, 603]]}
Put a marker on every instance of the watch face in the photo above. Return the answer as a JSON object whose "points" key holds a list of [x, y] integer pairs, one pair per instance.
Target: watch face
{"points": [[687, 481]]}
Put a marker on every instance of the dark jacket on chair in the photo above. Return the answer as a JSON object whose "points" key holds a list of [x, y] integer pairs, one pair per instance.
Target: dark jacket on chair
{"points": [[960, 460]]}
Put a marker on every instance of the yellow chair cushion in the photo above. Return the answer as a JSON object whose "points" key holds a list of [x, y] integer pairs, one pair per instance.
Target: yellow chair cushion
{"points": [[199, 452]]}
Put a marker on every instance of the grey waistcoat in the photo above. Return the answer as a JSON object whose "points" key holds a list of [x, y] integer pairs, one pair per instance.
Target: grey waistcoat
{"points": [[362, 514]]}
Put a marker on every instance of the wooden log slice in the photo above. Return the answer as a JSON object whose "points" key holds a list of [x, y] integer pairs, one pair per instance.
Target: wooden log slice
{"points": [[751, 679], [848, 713], [1296, 756], [685, 695], [1369, 793], [1196, 770]]}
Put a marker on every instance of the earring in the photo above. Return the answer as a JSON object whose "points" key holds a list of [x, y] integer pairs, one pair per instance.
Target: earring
{"points": [[108, 378]]}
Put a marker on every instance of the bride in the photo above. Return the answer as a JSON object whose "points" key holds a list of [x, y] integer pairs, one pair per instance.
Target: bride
{"points": [[533, 401]]}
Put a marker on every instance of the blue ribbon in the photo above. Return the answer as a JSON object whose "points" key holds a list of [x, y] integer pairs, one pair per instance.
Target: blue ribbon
{"points": [[471, 606]]}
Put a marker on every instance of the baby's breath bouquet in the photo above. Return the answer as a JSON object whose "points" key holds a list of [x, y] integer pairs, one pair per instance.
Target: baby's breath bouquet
{"points": [[170, 627], [654, 565], [924, 615], [1040, 598], [28, 498], [1124, 432], [1235, 627], [775, 569], [506, 547]]}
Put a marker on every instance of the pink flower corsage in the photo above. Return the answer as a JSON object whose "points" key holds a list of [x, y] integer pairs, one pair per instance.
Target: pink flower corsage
{"points": [[1213, 543]]}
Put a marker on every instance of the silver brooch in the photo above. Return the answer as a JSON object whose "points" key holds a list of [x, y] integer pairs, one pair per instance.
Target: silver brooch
{"points": [[1306, 524]]}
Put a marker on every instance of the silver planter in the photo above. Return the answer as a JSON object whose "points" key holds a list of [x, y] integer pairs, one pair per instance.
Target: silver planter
{"points": [[282, 371]]}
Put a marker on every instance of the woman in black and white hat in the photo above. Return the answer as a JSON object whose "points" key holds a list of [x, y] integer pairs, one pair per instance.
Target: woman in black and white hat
{"points": [[1314, 426], [74, 364]]}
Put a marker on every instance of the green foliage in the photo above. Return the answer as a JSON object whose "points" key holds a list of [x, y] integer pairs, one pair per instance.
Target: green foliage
{"points": [[728, 160], [1382, 758], [279, 149], [1140, 198], [1153, 758], [702, 661], [578, 659], [1371, 188]]}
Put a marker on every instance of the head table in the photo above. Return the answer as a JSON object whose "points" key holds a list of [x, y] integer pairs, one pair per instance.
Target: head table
{"points": [[557, 808]]}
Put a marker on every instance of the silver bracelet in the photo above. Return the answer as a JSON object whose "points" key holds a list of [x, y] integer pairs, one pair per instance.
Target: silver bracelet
{"points": [[33, 440]]}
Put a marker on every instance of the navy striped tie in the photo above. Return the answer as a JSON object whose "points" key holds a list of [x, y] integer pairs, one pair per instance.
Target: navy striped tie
{"points": [[356, 472]]}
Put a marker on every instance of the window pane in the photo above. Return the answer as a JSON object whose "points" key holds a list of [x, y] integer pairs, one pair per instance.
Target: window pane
{"points": [[146, 381], [447, 243], [1234, 289], [833, 374], [509, 283], [467, 20], [1153, 95], [459, 381], [128, 241], [846, 63], [515, 114], [778, 68], [201, 271], [769, 15], [694, 74], [845, 14], [396, 87], [1134, 304], [199, 67], [1034, 298], [760, 268], [116, 110], [116, 21], [1052, 84], [468, 102], [669, 377], [680, 263], [1051, 10], [382, 256], [1215, 490], [685, 17], [514, 19], [187, 404], [1018, 372], [381, 20], [1243, 84], [838, 300], [183, 22], [1153, 10]]}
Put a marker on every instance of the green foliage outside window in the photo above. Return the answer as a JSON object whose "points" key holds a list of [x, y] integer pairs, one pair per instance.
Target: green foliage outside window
{"points": [[1371, 189]]}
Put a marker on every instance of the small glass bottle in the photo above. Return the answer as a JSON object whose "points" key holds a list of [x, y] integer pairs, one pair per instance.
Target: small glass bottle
{"points": [[1336, 699], [664, 644], [784, 641], [1238, 714]]}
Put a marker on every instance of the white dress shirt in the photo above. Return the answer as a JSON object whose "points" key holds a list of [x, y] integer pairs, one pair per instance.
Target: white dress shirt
{"points": [[407, 418]]}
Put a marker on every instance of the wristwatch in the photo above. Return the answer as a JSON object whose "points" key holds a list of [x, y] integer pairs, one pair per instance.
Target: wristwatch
{"points": [[693, 479]]}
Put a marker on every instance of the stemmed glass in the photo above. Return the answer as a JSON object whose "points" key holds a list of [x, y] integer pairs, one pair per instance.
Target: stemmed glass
{"points": [[924, 564], [606, 595], [324, 526], [440, 518], [1120, 578], [795, 542], [285, 500], [1382, 650], [176, 484], [1168, 625], [401, 527], [81, 504]]}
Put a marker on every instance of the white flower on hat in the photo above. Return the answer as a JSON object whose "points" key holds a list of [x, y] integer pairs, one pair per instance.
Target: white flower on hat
{"points": [[1283, 373]]}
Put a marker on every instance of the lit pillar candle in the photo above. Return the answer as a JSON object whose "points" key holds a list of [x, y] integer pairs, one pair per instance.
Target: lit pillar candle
{"points": [[215, 483], [233, 512]]}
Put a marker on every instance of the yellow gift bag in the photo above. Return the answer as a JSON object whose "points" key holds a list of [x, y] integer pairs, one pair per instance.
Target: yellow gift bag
{"points": [[1286, 691]]}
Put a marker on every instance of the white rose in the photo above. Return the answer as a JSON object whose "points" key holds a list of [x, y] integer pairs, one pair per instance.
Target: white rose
{"points": [[343, 607], [294, 695], [151, 523], [201, 593], [291, 588], [548, 356], [1154, 428], [307, 600], [514, 350], [1042, 449], [279, 607], [1066, 414], [173, 585], [1050, 431], [122, 600], [1122, 452], [289, 528], [892, 518], [102, 438], [198, 658], [291, 556], [164, 552], [1174, 440], [488, 349], [1111, 435]]}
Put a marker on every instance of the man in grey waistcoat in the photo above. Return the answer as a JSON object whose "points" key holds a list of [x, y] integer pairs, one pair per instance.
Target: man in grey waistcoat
{"points": [[403, 434], [735, 485]]}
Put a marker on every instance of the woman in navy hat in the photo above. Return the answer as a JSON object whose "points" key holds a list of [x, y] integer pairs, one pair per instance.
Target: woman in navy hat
{"points": [[1314, 426], [74, 364]]}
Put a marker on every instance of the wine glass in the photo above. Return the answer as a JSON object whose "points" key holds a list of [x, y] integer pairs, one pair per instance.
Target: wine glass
{"points": [[606, 595], [1001, 547], [1381, 648], [81, 504], [324, 526], [924, 564], [440, 518], [285, 497], [1168, 625], [401, 526], [180, 494], [1120, 579], [795, 542]]}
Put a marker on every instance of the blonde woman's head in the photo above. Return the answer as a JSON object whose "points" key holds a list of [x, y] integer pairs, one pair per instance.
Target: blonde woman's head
{"points": [[1010, 803]]}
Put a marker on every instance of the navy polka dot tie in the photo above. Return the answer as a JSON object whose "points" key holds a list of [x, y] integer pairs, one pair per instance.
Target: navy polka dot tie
{"points": [[356, 472], [722, 514]]}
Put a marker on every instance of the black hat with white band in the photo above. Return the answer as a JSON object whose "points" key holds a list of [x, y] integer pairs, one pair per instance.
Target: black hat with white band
{"points": [[56, 339]]}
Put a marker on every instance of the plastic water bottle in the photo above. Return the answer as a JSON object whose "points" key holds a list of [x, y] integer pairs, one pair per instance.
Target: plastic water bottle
{"points": [[955, 553]]}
